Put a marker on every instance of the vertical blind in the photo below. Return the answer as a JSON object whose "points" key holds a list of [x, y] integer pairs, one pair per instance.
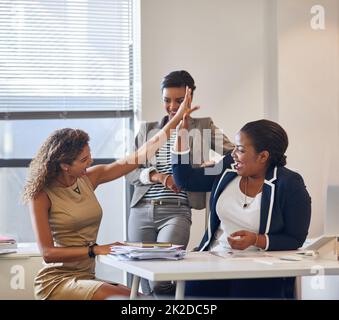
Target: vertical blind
{"points": [[66, 55]]}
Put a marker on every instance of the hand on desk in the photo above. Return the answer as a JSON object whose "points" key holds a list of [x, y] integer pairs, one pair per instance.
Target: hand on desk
{"points": [[106, 248], [242, 239]]}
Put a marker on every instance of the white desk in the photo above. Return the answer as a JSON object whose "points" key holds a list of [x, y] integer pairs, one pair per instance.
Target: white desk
{"points": [[17, 272], [205, 266]]}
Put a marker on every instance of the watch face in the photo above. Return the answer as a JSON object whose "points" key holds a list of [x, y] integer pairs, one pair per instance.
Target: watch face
{"points": [[91, 253]]}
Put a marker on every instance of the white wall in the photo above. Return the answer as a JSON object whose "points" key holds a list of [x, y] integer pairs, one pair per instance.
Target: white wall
{"points": [[308, 96], [253, 59], [212, 40]]}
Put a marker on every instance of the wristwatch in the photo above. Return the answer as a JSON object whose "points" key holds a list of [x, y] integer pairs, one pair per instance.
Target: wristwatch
{"points": [[91, 253]]}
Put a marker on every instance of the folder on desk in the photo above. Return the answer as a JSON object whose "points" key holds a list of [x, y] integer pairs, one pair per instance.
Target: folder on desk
{"points": [[326, 247], [7, 243], [7, 251], [174, 252], [146, 244]]}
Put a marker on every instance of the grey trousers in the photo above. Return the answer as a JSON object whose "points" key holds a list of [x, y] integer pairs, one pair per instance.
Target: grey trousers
{"points": [[162, 223]]}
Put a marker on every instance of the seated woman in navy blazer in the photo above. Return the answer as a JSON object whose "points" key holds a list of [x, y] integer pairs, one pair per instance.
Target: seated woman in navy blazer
{"points": [[255, 203]]}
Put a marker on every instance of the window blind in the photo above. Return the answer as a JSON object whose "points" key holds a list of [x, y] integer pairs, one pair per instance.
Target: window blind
{"points": [[66, 55]]}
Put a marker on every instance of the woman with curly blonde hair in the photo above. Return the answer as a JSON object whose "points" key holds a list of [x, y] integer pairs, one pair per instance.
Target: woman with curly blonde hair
{"points": [[66, 213]]}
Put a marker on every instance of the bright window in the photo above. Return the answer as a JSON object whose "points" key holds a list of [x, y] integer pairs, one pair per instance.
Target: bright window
{"points": [[65, 63]]}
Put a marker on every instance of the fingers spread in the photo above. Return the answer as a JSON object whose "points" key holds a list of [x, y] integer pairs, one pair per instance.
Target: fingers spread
{"points": [[189, 111]]}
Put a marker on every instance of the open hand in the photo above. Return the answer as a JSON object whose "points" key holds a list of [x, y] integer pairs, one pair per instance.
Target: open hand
{"points": [[185, 109]]}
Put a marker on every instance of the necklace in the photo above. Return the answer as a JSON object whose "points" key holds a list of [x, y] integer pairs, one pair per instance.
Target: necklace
{"points": [[247, 204], [76, 189]]}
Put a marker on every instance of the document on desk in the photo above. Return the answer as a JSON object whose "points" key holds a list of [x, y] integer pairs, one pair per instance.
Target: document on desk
{"points": [[7, 251], [254, 256], [174, 252], [235, 254]]}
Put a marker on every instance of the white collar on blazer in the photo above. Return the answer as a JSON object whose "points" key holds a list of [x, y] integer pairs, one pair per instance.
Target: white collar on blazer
{"points": [[267, 182]]}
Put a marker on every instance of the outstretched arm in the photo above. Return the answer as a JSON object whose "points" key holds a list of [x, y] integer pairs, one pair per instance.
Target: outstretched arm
{"points": [[186, 177], [145, 174], [134, 177], [195, 179], [220, 142], [105, 173]]}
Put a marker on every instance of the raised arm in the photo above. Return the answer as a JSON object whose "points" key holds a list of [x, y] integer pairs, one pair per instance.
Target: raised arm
{"points": [[104, 173], [197, 179], [39, 208], [134, 176], [219, 141], [145, 173], [186, 177]]}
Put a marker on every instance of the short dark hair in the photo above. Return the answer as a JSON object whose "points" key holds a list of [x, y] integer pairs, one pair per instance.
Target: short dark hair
{"points": [[178, 79], [268, 135]]}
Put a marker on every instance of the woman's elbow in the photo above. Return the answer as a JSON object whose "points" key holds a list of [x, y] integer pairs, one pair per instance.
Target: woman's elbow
{"points": [[297, 241], [301, 240], [47, 255], [47, 258]]}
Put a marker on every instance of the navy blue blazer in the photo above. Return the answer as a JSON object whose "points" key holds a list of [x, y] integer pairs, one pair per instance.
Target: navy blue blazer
{"points": [[285, 211]]}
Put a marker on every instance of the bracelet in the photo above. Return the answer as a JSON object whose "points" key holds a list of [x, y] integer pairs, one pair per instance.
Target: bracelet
{"points": [[165, 180], [91, 252], [256, 239]]}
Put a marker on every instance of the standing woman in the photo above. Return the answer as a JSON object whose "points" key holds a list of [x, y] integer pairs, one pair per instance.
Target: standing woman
{"points": [[256, 203], [66, 213], [160, 210]]}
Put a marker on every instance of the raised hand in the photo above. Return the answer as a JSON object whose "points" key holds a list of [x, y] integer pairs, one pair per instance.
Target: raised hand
{"points": [[185, 109]]}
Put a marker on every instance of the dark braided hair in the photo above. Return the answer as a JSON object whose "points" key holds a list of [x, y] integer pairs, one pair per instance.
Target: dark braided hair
{"points": [[270, 136]]}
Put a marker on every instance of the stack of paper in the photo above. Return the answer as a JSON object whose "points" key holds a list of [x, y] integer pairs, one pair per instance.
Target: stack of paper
{"points": [[174, 252], [7, 245], [147, 244]]}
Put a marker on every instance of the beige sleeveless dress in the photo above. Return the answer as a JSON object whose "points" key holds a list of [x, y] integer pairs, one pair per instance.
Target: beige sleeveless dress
{"points": [[74, 220]]}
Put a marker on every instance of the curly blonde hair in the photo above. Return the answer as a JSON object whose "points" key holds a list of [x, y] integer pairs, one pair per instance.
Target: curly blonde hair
{"points": [[62, 146]]}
